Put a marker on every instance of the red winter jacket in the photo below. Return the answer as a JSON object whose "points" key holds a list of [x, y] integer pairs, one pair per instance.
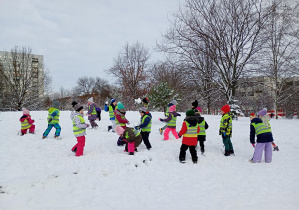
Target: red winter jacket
{"points": [[190, 141], [28, 118], [118, 114]]}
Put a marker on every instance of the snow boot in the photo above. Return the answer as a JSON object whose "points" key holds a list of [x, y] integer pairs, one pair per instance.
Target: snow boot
{"points": [[227, 153], [131, 153], [161, 131], [57, 137], [232, 152]]}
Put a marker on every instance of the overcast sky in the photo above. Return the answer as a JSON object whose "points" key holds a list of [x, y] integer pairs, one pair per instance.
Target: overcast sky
{"points": [[81, 37]]}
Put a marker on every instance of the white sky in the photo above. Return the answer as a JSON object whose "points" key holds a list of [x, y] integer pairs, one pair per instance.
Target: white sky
{"points": [[79, 37]]}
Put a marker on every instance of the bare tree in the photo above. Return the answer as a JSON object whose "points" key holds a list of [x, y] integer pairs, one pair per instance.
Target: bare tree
{"points": [[21, 78], [281, 53], [85, 86], [130, 68], [228, 31]]}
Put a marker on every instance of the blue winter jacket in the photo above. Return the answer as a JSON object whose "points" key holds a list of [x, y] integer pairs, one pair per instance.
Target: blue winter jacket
{"points": [[261, 138]]}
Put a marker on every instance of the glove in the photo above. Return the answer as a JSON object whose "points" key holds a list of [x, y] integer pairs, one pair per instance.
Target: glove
{"points": [[137, 127], [276, 149], [50, 120], [106, 102], [87, 125], [179, 136], [253, 145]]}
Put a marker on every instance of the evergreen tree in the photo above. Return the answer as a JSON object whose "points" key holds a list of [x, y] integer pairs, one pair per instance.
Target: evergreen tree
{"points": [[160, 96]]}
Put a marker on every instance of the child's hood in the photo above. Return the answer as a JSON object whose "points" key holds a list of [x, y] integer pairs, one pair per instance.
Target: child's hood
{"points": [[120, 113], [192, 120], [24, 117], [74, 114], [200, 118], [256, 120]]}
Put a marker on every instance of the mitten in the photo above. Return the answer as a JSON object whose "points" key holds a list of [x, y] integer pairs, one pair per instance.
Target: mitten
{"points": [[106, 102], [179, 136], [276, 149], [253, 145], [50, 120], [137, 127], [224, 135], [161, 119], [128, 122]]}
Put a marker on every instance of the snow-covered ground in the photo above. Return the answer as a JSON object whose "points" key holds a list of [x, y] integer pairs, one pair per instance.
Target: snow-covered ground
{"points": [[45, 174]]}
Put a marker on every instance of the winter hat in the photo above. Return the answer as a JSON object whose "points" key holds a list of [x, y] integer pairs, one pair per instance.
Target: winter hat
{"points": [[174, 102], [225, 108], [190, 112], [119, 130], [90, 100], [198, 108], [145, 100], [77, 107], [263, 112], [195, 104], [120, 105], [25, 111], [172, 108], [112, 100], [143, 109], [56, 104]]}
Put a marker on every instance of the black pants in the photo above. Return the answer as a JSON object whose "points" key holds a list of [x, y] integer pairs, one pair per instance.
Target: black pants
{"points": [[192, 150], [201, 139], [145, 136]]}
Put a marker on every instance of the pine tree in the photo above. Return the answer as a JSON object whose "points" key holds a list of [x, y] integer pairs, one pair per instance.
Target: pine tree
{"points": [[160, 96]]}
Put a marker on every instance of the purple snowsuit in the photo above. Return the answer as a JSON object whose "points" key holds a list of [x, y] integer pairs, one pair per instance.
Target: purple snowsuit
{"points": [[264, 142], [92, 117]]}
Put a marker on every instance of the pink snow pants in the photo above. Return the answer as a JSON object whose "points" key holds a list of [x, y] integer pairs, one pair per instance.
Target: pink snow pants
{"points": [[31, 129], [166, 133], [131, 147], [80, 145]]}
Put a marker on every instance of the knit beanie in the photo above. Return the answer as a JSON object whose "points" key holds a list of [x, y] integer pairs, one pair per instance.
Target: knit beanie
{"points": [[172, 108], [119, 130], [263, 112], [195, 104], [120, 105], [190, 112], [25, 111], [112, 100], [252, 115], [143, 109], [225, 108], [145, 100], [56, 104], [77, 107], [174, 102], [90, 100]]}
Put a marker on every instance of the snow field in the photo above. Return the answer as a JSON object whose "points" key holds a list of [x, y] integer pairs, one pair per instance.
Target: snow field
{"points": [[45, 174]]}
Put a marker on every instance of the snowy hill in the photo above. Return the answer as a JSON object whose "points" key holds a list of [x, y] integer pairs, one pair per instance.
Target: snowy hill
{"points": [[45, 174]]}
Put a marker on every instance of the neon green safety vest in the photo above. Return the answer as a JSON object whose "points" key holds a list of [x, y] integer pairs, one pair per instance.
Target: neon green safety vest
{"points": [[118, 123], [191, 131], [94, 112], [202, 127], [77, 130], [172, 122], [149, 125], [226, 124], [56, 118], [25, 124], [111, 111], [136, 132], [261, 128]]}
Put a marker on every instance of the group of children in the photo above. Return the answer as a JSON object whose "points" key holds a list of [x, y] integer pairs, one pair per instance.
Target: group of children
{"points": [[193, 129]]}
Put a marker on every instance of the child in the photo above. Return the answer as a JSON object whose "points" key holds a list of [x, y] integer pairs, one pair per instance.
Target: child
{"points": [[120, 119], [226, 130], [79, 128], [111, 110], [171, 123], [203, 125], [266, 119], [173, 102], [26, 122], [53, 120], [264, 140], [145, 126], [132, 138], [189, 131], [92, 113]]}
